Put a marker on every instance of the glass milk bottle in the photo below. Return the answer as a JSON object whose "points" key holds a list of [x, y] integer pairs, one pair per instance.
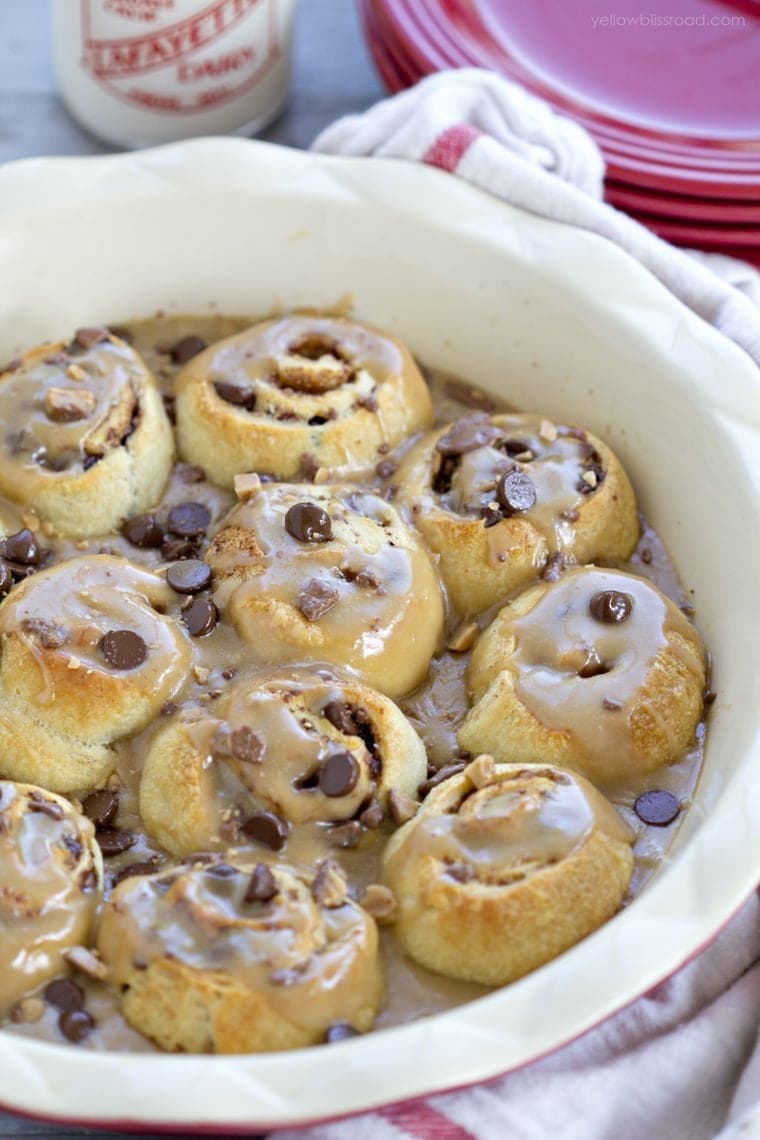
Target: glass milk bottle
{"points": [[141, 72]]}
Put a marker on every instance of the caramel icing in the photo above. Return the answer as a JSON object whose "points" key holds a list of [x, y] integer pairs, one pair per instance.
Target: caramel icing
{"points": [[376, 568], [62, 410], [50, 883], [527, 819], [554, 458], [308, 959], [558, 640], [289, 366], [61, 614]]}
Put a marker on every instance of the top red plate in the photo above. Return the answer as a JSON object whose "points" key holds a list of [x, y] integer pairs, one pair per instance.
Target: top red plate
{"points": [[690, 75]]}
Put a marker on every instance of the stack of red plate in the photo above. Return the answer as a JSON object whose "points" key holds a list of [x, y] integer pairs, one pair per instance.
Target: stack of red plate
{"points": [[672, 99]]}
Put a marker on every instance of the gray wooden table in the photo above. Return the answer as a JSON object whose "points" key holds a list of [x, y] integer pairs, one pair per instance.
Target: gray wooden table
{"points": [[333, 76]]}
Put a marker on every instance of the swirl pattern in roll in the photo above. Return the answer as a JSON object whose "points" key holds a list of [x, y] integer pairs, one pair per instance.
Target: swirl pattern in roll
{"points": [[495, 880], [88, 657], [496, 496], [51, 881], [310, 749], [323, 390], [94, 445], [236, 958], [329, 574], [598, 671]]}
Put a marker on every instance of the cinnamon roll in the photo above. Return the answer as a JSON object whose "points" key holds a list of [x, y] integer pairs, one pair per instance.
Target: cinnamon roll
{"points": [[238, 958], [51, 880], [496, 878], [598, 671], [95, 445], [298, 391], [88, 657], [498, 497], [329, 574], [307, 748]]}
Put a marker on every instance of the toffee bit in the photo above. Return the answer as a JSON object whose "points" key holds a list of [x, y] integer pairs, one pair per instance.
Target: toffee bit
{"points": [[345, 835], [481, 772], [330, 885], [317, 598], [372, 816], [381, 903], [402, 807], [463, 637], [87, 962]]}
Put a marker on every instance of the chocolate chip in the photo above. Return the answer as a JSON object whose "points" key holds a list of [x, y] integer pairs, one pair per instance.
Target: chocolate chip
{"points": [[200, 617], [6, 579], [189, 577], [39, 802], [307, 522], [123, 649], [646, 555], [516, 447], [75, 1024], [709, 697], [143, 531], [340, 1031], [262, 886], [144, 867], [188, 520], [341, 716], [101, 807], [439, 776], [593, 666], [222, 871], [339, 774], [611, 606], [22, 547], [89, 337], [64, 994], [186, 348], [266, 828], [112, 841], [317, 598], [491, 514], [515, 492], [657, 807], [553, 567], [237, 395], [468, 434]]}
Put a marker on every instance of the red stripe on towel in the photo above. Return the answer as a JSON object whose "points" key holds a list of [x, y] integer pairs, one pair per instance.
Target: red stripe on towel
{"points": [[423, 1122], [451, 145]]}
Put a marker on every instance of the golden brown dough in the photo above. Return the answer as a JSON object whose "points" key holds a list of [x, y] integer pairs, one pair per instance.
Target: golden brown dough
{"points": [[298, 391], [241, 958], [329, 574], [88, 657], [496, 879], [51, 881], [308, 748], [91, 443], [613, 699], [497, 496]]}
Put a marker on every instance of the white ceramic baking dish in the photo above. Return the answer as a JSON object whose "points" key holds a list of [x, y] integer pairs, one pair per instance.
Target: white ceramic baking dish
{"points": [[559, 321]]}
